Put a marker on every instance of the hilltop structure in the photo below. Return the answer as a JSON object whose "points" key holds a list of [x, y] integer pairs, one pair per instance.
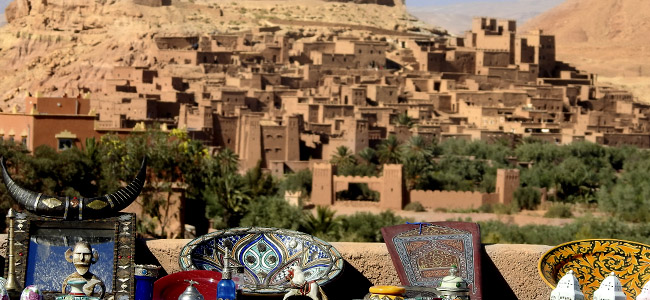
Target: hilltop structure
{"points": [[289, 99]]}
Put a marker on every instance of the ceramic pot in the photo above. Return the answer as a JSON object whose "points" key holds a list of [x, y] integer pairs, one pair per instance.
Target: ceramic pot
{"points": [[145, 276], [31, 292]]}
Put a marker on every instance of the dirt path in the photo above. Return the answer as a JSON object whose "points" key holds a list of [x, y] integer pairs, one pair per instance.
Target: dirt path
{"points": [[522, 218]]}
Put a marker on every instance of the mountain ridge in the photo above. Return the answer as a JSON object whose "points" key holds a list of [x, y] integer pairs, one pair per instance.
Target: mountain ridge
{"points": [[606, 37]]}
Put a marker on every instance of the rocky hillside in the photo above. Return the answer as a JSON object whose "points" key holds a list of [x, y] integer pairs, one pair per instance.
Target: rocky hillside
{"points": [[609, 37], [63, 46]]}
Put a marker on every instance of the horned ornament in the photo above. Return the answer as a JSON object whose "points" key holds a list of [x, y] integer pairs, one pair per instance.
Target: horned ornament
{"points": [[73, 208]]}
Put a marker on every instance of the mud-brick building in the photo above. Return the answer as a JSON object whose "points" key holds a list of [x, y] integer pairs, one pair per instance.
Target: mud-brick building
{"points": [[60, 123]]}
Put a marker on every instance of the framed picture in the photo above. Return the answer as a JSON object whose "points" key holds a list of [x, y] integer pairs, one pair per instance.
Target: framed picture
{"points": [[41, 244]]}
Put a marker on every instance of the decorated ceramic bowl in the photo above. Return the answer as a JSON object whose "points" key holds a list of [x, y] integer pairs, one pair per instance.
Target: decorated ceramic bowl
{"points": [[593, 260], [31, 292], [266, 255]]}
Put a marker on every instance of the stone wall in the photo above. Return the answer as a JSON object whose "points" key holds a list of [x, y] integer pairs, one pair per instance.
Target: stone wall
{"points": [[509, 271], [447, 199]]}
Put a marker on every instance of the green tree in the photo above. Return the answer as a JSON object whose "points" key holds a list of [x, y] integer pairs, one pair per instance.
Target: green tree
{"points": [[259, 183], [368, 156], [226, 200], [272, 211], [527, 197], [299, 181], [389, 151], [629, 199], [322, 224], [343, 157], [228, 161], [405, 120]]}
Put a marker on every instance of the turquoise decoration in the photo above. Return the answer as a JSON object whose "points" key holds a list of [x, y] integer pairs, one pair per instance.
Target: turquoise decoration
{"points": [[266, 255], [76, 291]]}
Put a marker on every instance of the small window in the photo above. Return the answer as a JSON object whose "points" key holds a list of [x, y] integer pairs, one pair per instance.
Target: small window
{"points": [[65, 144]]}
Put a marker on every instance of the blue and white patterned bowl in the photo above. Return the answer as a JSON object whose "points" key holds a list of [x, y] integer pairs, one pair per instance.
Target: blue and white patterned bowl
{"points": [[266, 255]]}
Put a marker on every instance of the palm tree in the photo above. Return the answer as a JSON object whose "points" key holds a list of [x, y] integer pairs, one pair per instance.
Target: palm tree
{"points": [[389, 151], [227, 196], [324, 224], [227, 160], [405, 120], [343, 157], [258, 182], [418, 148], [367, 155]]}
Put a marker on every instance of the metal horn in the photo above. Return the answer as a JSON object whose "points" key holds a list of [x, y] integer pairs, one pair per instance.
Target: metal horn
{"points": [[73, 208]]}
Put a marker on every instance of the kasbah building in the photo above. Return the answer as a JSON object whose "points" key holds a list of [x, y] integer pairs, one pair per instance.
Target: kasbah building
{"points": [[291, 100]]}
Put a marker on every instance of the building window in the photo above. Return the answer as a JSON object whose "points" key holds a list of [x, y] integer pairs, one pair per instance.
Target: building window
{"points": [[66, 140], [24, 141], [65, 144]]}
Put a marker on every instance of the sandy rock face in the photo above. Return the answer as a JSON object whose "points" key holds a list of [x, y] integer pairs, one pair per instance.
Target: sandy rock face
{"points": [[70, 46], [16, 9], [380, 2]]}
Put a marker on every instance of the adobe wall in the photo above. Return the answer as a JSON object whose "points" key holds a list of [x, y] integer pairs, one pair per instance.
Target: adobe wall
{"points": [[48, 126], [447, 199], [508, 271]]}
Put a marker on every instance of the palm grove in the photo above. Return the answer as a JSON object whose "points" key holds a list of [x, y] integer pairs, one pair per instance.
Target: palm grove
{"points": [[616, 181]]}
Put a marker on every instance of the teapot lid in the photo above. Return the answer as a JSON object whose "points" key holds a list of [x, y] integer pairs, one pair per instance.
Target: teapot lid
{"points": [[191, 293]]}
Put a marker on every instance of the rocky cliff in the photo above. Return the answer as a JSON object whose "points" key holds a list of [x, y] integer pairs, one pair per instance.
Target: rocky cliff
{"points": [[379, 2], [608, 37], [604, 36], [64, 46]]}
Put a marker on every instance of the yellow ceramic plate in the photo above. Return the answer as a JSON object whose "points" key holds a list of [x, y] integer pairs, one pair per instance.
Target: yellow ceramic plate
{"points": [[592, 260]]}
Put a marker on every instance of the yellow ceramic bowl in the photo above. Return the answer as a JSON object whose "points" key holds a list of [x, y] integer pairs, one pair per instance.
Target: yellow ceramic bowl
{"points": [[387, 290]]}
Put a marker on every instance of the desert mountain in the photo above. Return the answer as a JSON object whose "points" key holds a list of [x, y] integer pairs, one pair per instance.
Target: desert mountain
{"points": [[609, 37], [64, 46], [457, 17]]}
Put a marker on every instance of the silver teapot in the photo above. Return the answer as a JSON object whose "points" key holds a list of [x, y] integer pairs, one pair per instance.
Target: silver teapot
{"points": [[191, 293]]}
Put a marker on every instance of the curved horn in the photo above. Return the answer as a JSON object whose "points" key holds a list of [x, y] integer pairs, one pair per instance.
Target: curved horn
{"points": [[76, 208], [22, 196], [126, 195]]}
